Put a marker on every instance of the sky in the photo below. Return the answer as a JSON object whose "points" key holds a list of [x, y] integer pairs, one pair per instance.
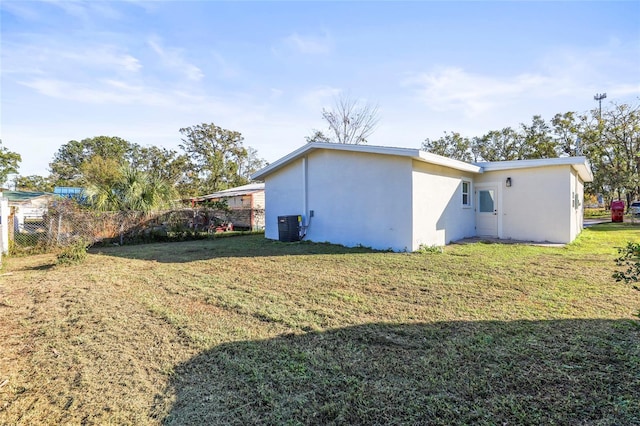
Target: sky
{"points": [[141, 70]]}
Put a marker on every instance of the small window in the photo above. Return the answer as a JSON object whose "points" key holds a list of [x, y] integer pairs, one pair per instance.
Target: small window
{"points": [[466, 193]]}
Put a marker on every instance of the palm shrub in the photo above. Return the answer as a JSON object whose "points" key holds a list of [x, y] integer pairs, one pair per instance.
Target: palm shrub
{"points": [[132, 190]]}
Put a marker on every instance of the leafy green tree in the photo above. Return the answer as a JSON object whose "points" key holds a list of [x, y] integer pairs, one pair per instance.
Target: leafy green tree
{"points": [[251, 164], [567, 131], [67, 162], [34, 183], [537, 140], [616, 150], [498, 145], [451, 145], [216, 155], [317, 136], [9, 163], [611, 143], [101, 171], [161, 162]]}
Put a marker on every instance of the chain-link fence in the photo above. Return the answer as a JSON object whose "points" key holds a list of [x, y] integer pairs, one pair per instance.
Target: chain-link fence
{"points": [[66, 223]]}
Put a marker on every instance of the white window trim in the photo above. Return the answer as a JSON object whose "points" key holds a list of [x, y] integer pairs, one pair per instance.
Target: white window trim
{"points": [[469, 193]]}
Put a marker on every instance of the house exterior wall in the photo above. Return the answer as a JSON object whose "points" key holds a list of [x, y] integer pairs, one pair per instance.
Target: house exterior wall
{"points": [[357, 198], [401, 200], [360, 198], [577, 211], [283, 196], [538, 206], [438, 214]]}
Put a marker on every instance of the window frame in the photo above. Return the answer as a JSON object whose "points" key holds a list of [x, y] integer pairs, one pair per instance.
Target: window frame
{"points": [[468, 193]]}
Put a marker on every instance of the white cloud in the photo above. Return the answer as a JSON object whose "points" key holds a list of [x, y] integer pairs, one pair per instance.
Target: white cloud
{"points": [[173, 58], [309, 45], [321, 97], [50, 58], [455, 89], [563, 76], [112, 92]]}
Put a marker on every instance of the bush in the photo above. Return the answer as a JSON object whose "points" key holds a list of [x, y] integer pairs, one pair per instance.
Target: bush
{"points": [[73, 254], [629, 259], [430, 249]]}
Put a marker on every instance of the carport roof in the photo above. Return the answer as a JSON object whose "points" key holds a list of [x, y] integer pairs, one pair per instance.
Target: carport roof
{"points": [[22, 196]]}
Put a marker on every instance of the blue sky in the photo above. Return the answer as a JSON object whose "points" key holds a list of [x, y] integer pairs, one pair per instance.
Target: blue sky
{"points": [[141, 70]]}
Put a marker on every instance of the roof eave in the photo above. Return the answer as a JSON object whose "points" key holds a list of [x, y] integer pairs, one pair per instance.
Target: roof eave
{"points": [[404, 152], [579, 164]]}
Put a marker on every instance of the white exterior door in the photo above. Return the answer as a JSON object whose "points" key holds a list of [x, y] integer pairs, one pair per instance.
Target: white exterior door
{"points": [[486, 211]]}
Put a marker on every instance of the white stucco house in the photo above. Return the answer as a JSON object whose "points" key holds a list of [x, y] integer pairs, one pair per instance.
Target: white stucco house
{"points": [[400, 198]]}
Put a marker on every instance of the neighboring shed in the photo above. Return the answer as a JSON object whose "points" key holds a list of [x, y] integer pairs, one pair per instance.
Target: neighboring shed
{"points": [[246, 204], [401, 199], [27, 206]]}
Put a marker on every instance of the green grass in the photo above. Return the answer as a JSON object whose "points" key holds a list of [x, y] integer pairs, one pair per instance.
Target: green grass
{"points": [[245, 330]]}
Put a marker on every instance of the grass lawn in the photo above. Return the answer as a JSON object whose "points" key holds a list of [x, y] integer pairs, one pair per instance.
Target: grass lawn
{"points": [[249, 331]]}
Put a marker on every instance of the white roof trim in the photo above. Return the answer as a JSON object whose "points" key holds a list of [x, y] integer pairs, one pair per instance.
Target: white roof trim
{"points": [[250, 188], [580, 164], [416, 154]]}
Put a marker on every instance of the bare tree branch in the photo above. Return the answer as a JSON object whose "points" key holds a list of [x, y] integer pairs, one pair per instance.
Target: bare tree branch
{"points": [[351, 122]]}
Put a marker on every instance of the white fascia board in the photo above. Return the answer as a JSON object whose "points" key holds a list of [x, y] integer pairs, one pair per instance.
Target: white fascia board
{"points": [[249, 188], [439, 160], [369, 149], [580, 164]]}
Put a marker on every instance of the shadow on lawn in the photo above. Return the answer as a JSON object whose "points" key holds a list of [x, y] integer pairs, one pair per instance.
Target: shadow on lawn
{"points": [[239, 246], [521, 372]]}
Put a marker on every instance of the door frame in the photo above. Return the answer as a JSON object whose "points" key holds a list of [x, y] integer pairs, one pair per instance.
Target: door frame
{"points": [[497, 207]]}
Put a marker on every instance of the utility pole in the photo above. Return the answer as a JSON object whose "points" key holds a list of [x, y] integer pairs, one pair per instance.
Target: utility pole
{"points": [[599, 97]]}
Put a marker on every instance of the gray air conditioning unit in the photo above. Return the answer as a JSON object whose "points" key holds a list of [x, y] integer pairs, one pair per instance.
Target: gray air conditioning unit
{"points": [[289, 228]]}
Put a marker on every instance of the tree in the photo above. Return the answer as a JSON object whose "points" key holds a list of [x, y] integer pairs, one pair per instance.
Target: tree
{"points": [[34, 183], [216, 155], [317, 136], [537, 141], [349, 122], [498, 145], [613, 147], [566, 130], [161, 162], [132, 190], [67, 162], [610, 141], [251, 164], [451, 145], [9, 163]]}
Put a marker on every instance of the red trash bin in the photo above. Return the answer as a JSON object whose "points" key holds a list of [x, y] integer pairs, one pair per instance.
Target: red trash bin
{"points": [[617, 211]]}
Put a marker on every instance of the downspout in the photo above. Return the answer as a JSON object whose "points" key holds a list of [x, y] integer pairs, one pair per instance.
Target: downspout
{"points": [[305, 188], [305, 198]]}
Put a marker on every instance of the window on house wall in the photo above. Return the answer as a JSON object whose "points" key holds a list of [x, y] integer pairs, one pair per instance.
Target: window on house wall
{"points": [[466, 193]]}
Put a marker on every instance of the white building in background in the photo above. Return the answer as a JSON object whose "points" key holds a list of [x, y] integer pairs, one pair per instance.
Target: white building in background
{"points": [[401, 199]]}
